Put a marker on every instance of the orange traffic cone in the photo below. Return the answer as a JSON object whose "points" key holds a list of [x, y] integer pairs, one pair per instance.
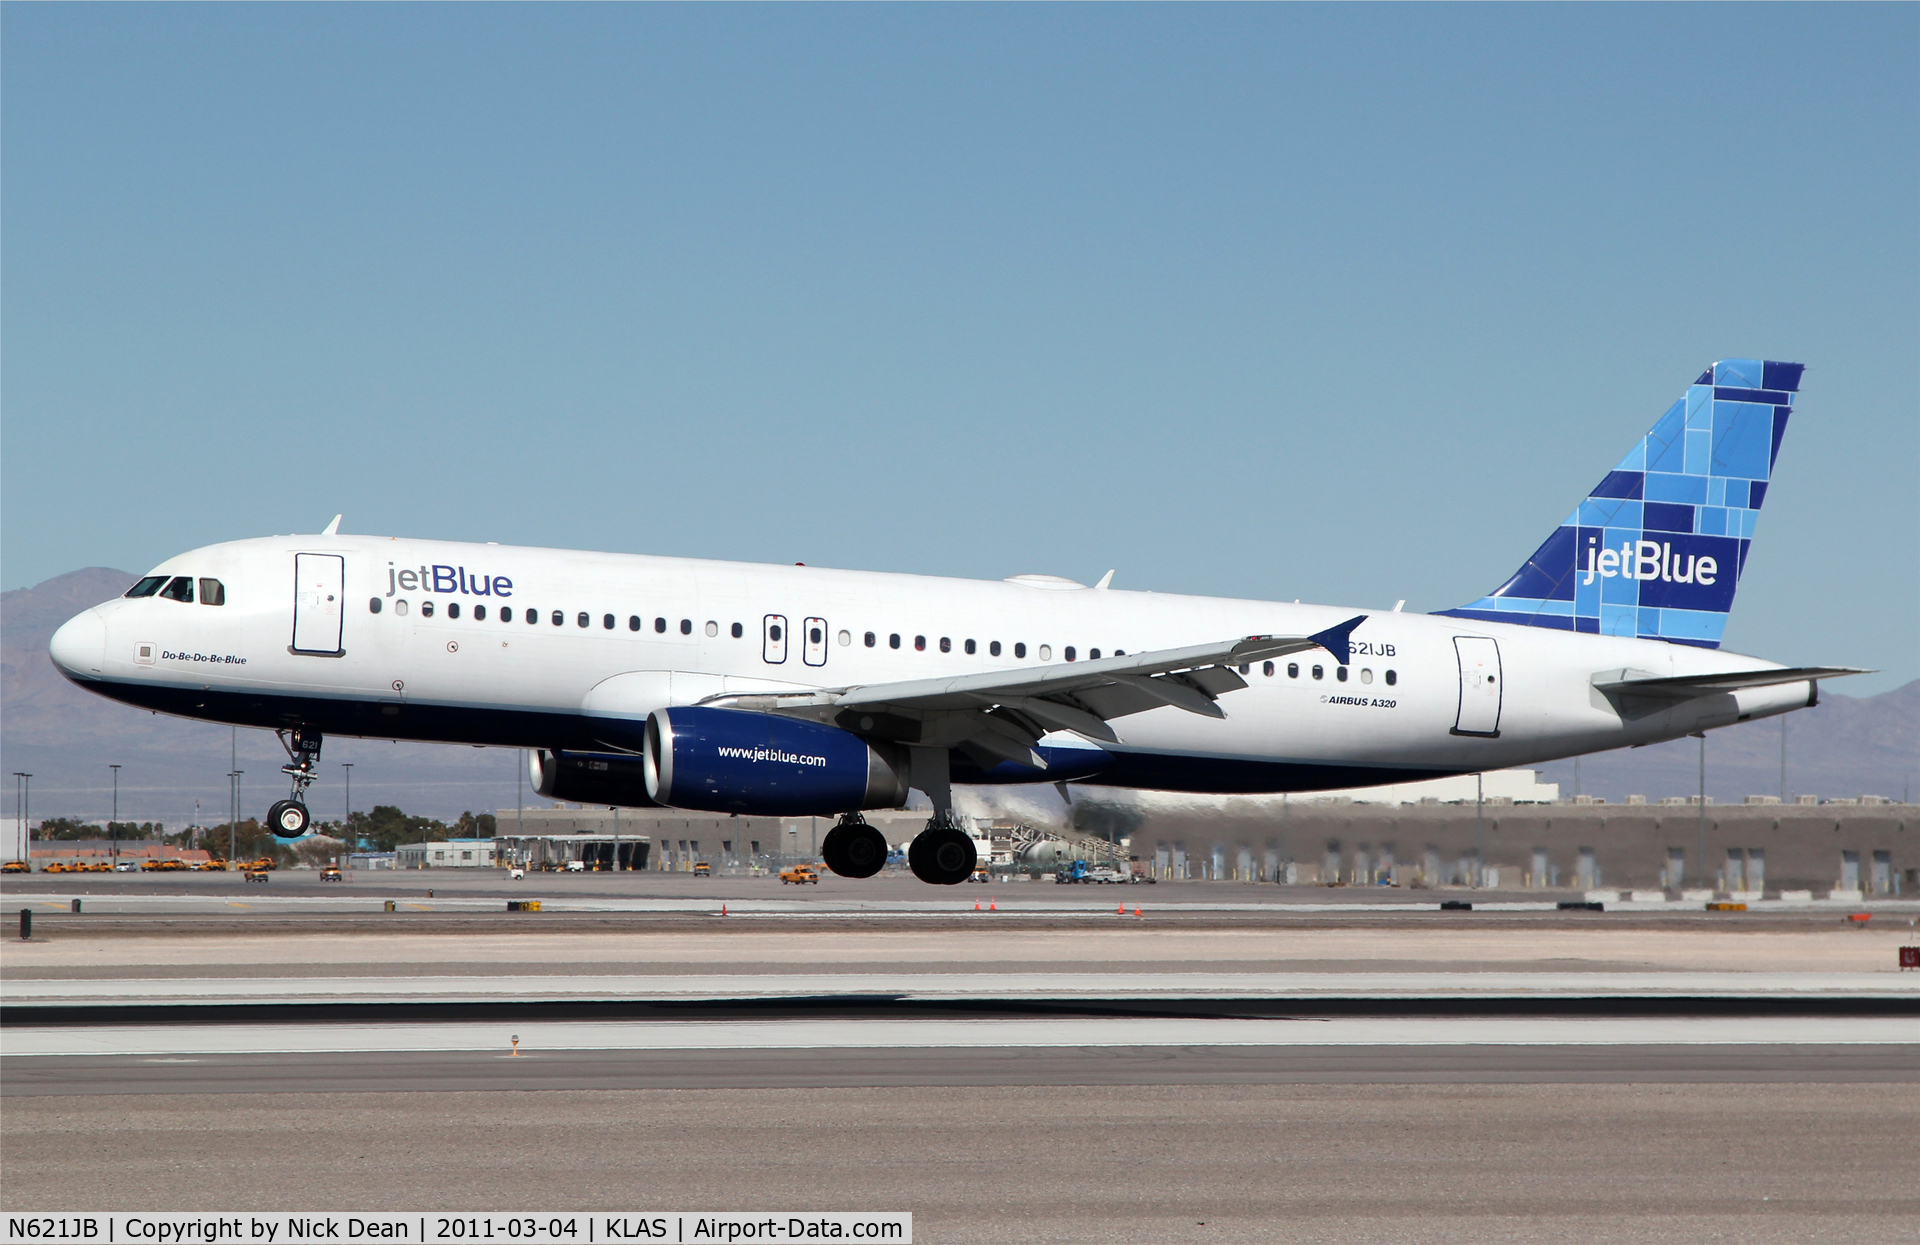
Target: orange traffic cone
{"points": [[1122, 910], [976, 905], [1136, 909], [723, 909], [992, 906]]}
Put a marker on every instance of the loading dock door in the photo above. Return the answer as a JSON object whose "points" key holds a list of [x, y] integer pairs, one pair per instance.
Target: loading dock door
{"points": [[1480, 690], [319, 586]]}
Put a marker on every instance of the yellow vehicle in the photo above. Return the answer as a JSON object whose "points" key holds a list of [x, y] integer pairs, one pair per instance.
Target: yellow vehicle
{"points": [[330, 874], [163, 866], [262, 865], [98, 866], [16, 866], [211, 866], [257, 875], [799, 875], [701, 869]]}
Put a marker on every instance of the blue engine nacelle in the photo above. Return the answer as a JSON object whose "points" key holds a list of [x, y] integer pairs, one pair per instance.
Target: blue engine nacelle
{"points": [[735, 761]]}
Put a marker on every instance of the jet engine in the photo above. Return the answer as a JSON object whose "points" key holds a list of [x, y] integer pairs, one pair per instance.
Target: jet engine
{"points": [[591, 778], [736, 761]]}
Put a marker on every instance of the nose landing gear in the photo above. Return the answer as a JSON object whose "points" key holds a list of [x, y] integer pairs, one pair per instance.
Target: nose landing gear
{"points": [[288, 818]]}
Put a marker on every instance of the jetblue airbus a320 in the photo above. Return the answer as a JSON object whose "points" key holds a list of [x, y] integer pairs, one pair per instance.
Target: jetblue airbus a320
{"points": [[791, 690]]}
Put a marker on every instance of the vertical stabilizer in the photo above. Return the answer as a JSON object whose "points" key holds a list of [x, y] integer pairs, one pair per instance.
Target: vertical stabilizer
{"points": [[1657, 548]]}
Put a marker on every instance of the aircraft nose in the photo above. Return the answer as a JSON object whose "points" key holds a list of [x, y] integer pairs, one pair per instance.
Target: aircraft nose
{"points": [[79, 647]]}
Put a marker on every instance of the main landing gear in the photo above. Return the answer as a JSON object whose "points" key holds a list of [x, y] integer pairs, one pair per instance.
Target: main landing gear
{"points": [[854, 849], [289, 818], [942, 853]]}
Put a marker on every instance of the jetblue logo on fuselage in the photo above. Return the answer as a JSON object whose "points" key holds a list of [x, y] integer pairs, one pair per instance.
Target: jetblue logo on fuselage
{"points": [[1647, 559], [447, 581]]}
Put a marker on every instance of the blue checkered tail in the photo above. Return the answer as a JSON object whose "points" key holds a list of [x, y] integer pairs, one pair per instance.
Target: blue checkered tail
{"points": [[1657, 549]]}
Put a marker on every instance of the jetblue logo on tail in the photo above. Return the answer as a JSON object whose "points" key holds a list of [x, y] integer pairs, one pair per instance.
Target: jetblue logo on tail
{"points": [[1656, 549]]}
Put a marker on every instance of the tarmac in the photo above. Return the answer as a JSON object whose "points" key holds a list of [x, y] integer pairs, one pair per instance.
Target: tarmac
{"points": [[1234, 1063]]}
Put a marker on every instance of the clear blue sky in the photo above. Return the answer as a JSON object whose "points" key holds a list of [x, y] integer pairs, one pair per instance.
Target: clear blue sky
{"points": [[1342, 303]]}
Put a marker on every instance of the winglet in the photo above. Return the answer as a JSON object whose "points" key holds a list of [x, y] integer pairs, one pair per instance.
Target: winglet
{"points": [[1337, 640], [1106, 581], [333, 528]]}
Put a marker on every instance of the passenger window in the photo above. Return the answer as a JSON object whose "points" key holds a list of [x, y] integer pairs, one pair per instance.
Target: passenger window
{"points": [[660, 626], [479, 613], [1340, 673], [1020, 649], [919, 644], [506, 613], [686, 626], [969, 648], [606, 622], [1319, 673], [179, 588], [713, 629], [893, 641], [373, 606], [1046, 652], [581, 619], [400, 607], [1093, 654], [1293, 670], [559, 619], [1266, 668], [1119, 652], [1366, 676], [533, 616], [845, 638], [212, 592], [1392, 678], [993, 649], [147, 587], [738, 631], [1246, 667], [453, 609], [633, 622], [774, 633], [1069, 652], [814, 635], [946, 645], [869, 639], [426, 609]]}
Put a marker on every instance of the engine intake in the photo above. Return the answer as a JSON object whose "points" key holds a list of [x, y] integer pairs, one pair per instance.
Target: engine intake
{"points": [[591, 778], [736, 761]]}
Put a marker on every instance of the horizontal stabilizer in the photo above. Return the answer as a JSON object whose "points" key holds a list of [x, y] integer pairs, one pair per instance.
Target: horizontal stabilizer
{"points": [[1688, 686]]}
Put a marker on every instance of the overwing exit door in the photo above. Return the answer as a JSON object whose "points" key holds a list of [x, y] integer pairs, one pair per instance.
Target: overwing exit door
{"points": [[319, 592], [773, 645], [814, 642], [1480, 689]]}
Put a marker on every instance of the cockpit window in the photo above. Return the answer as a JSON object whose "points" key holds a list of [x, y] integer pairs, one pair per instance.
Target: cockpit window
{"points": [[147, 587], [179, 588], [212, 592]]}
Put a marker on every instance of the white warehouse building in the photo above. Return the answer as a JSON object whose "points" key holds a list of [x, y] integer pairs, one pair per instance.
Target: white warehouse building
{"points": [[452, 854]]}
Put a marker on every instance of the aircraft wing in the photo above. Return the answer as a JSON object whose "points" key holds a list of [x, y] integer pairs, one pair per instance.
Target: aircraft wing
{"points": [[1688, 686], [1001, 714]]}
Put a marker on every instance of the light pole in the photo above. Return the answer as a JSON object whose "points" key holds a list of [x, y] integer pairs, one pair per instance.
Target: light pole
{"points": [[1704, 875], [348, 766], [113, 820], [233, 817], [22, 789]]}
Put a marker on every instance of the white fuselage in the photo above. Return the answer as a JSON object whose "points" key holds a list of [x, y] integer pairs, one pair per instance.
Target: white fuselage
{"points": [[417, 668]]}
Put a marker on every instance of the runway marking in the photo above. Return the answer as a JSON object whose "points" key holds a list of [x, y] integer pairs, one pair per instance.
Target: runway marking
{"points": [[962, 986], [934, 1034]]}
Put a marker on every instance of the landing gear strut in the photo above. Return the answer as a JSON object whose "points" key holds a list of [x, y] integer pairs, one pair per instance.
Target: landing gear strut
{"points": [[854, 849], [289, 818]]}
